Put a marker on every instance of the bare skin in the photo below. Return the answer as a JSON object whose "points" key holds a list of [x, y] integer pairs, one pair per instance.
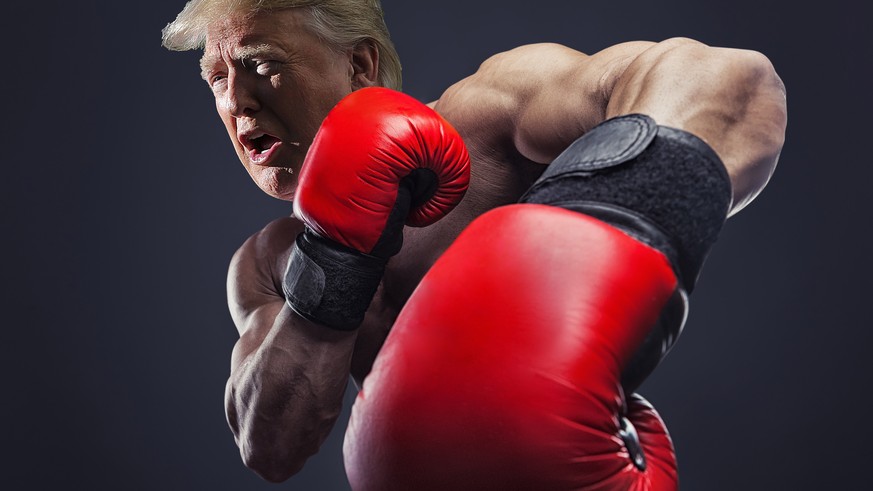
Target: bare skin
{"points": [[516, 113]]}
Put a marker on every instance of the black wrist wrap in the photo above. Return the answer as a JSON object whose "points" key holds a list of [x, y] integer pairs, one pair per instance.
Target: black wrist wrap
{"points": [[662, 186], [330, 284]]}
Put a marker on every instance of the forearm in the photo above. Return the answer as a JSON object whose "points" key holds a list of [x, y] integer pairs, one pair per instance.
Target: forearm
{"points": [[732, 99], [284, 396]]}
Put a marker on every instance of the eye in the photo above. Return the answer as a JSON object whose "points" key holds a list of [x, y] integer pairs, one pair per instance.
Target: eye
{"points": [[216, 79], [265, 67]]}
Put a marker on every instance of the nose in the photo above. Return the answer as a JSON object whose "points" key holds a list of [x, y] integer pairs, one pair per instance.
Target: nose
{"points": [[240, 98]]}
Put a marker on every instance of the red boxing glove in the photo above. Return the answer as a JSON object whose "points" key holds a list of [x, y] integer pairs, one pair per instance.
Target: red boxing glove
{"points": [[374, 144], [503, 370], [379, 160]]}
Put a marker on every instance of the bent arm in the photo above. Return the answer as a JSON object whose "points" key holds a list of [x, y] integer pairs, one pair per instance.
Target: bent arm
{"points": [[288, 375], [732, 99]]}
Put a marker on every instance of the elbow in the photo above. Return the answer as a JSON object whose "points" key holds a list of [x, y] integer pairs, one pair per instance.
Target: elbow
{"points": [[275, 474], [742, 67], [267, 450], [276, 454], [273, 459], [757, 113], [741, 86], [757, 72], [274, 450], [765, 109], [752, 76], [273, 465]]}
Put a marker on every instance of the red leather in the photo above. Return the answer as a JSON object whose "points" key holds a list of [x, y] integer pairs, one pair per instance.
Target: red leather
{"points": [[367, 144], [502, 371]]}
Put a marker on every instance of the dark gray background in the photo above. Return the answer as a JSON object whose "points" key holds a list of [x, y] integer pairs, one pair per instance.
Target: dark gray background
{"points": [[123, 202]]}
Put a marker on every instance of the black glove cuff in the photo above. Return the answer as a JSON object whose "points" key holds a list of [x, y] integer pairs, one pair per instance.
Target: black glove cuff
{"points": [[330, 284], [650, 178]]}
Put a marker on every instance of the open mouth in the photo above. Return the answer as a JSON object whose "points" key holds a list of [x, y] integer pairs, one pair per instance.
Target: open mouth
{"points": [[260, 147]]}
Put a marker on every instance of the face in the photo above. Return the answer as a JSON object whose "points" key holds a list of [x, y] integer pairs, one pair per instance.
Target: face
{"points": [[274, 82]]}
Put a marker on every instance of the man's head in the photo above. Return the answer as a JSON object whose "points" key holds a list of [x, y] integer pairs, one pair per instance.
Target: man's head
{"points": [[276, 67], [339, 23]]}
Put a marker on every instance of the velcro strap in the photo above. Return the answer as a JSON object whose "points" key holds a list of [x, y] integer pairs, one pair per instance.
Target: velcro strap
{"points": [[669, 177], [330, 284]]}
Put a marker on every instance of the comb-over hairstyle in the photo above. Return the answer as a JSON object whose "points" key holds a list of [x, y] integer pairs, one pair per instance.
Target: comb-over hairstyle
{"points": [[342, 24]]}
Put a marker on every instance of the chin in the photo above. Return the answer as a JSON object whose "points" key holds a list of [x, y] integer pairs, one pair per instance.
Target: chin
{"points": [[278, 182]]}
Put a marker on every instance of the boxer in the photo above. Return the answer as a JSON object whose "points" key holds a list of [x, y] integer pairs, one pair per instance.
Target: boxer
{"points": [[314, 296]]}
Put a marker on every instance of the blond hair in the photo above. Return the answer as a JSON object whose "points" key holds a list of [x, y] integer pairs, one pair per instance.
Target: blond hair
{"points": [[341, 24]]}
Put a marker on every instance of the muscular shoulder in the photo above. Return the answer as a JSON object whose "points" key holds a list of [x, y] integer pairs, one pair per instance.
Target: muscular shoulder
{"points": [[522, 72], [492, 97], [255, 272], [528, 93]]}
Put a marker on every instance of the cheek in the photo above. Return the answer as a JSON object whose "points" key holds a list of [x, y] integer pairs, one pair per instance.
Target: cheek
{"points": [[228, 121], [221, 106], [334, 80]]}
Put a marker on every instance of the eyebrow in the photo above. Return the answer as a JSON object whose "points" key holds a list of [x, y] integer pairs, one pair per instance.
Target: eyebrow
{"points": [[207, 61]]}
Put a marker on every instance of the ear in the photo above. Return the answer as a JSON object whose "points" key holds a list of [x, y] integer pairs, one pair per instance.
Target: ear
{"points": [[364, 59]]}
